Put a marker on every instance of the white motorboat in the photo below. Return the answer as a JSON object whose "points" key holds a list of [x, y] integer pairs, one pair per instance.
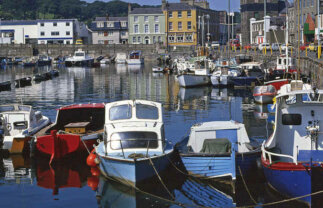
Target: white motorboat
{"points": [[121, 58], [80, 58], [105, 61], [222, 78], [18, 123], [134, 146], [158, 69], [264, 94], [135, 58]]}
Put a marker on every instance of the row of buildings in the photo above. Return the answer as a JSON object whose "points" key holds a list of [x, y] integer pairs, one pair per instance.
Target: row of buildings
{"points": [[304, 22], [187, 23]]}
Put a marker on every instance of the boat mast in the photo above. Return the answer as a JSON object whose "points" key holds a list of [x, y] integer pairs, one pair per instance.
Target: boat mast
{"points": [[286, 39], [298, 28], [229, 32]]}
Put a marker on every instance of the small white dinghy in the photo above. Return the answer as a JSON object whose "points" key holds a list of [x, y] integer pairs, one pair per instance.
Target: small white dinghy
{"points": [[158, 69], [264, 94]]}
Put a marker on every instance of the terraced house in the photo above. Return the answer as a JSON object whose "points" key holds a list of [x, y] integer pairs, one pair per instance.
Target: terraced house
{"points": [[182, 22], [146, 26], [110, 30]]}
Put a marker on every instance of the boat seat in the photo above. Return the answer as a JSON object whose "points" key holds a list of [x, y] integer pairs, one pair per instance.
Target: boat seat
{"points": [[216, 146]]}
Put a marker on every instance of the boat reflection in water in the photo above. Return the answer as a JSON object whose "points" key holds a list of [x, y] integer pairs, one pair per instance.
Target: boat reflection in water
{"points": [[70, 173], [121, 69], [16, 169]]}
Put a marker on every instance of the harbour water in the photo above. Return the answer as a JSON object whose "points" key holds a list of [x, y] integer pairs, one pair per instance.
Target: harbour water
{"points": [[26, 182]]}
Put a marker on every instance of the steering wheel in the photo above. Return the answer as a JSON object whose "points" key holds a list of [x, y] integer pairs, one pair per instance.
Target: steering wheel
{"points": [[9, 127]]}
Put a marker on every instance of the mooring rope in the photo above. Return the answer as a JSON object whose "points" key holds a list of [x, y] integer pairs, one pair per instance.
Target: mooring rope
{"points": [[245, 185]]}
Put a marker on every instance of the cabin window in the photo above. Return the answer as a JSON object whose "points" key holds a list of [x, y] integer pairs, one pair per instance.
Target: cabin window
{"points": [[134, 139], [79, 54], [20, 125], [24, 108], [146, 111], [120, 112], [291, 99], [292, 119], [6, 108]]}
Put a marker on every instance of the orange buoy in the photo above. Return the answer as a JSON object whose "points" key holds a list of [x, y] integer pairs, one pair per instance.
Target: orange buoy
{"points": [[90, 160], [95, 171], [93, 182]]}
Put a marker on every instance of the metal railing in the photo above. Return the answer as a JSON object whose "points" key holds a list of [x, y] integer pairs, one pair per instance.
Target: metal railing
{"points": [[270, 154]]}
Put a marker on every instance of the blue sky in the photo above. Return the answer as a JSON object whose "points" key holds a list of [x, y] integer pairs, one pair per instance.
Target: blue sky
{"points": [[214, 4]]}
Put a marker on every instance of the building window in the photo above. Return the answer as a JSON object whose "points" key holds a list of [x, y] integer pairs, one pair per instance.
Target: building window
{"points": [[135, 18], [159, 39], [179, 25], [146, 29], [146, 18], [171, 38], [156, 19], [189, 38], [55, 24], [136, 29], [189, 25], [123, 33], [170, 14], [123, 24], [55, 33], [139, 39], [179, 14], [110, 33], [170, 26], [68, 42], [68, 33], [67, 24], [100, 41], [154, 39], [42, 33], [100, 34], [110, 24], [42, 24], [189, 13], [156, 28], [134, 39], [179, 38]]}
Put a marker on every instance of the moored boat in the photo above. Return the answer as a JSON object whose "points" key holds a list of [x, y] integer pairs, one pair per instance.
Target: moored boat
{"points": [[44, 60], [292, 156], [264, 94], [134, 146], [18, 123], [157, 69], [215, 149], [135, 58], [5, 85], [76, 130], [80, 58], [121, 58], [22, 82]]}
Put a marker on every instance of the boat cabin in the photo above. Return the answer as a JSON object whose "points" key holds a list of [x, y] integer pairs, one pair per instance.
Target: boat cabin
{"points": [[134, 126], [80, 119], [16, 119], [79, 54], [297, 135], [135, 55], [252, 69], [218, 137], [281, 63]]}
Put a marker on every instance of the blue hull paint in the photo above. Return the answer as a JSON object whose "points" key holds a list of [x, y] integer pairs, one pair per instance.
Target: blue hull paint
{"points": [[210, 167], [134, 171], [243, 81], [247, 162], [290, 183]]}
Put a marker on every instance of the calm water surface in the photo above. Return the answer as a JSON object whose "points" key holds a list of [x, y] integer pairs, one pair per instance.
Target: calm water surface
{"points": [[26, 182]]}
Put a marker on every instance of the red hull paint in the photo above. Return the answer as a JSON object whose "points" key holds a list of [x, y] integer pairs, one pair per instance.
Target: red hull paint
{"points": [[77, 106], [278, 83], [61, 145], [264, 94], [284, 166]]}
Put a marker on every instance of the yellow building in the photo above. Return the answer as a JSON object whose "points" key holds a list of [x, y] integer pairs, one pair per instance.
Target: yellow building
{"points": [[182, 21]]}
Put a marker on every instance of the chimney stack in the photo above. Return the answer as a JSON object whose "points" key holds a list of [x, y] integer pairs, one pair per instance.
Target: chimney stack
{"points": [[129, 8]]}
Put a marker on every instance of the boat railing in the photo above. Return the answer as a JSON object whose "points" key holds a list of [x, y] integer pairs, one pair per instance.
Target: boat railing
{"points": [[122, 149], [270, 154]]}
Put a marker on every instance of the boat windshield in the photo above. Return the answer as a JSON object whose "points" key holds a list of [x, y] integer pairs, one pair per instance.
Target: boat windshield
{"points": [[120, 112], [6, 108], [79, 54], [24, 108], [134, 139], [146, 112]]}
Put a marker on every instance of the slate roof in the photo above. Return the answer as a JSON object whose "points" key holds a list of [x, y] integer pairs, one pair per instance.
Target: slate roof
{"points": [[147, 11], [19, 22], [117, 26], [111, 19], [180, 7]]}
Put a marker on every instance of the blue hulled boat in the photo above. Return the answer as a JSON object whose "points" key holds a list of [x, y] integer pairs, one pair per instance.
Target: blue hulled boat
{"points": [[251, 74], [292, 157], [215, 149], [134, 146]]}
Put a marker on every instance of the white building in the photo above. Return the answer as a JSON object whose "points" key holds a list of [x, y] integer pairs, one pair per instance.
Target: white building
{"points": [[59, 31], [257, 30]]}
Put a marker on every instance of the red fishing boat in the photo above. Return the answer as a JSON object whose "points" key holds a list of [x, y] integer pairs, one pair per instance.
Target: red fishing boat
{"points": [[76, 130]]}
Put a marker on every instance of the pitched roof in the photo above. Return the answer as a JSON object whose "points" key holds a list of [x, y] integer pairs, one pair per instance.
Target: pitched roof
{"points": [[111, 19], [152, 10], [179, 7], [19, 22]]}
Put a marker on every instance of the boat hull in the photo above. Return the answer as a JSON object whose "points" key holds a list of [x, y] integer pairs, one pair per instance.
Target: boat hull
{"points": [[135, 170], [277, 83], [5, 86], [244, 81], [220, 81], [210, 166], [289, 179], [88, 62], [135, 61], [190, 80]]}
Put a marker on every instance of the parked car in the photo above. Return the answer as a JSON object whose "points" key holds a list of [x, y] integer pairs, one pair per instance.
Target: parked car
{"points": [[311, 47], [263, 45], [247, 47], [283, 47], [303, 47], [275, 46]]}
